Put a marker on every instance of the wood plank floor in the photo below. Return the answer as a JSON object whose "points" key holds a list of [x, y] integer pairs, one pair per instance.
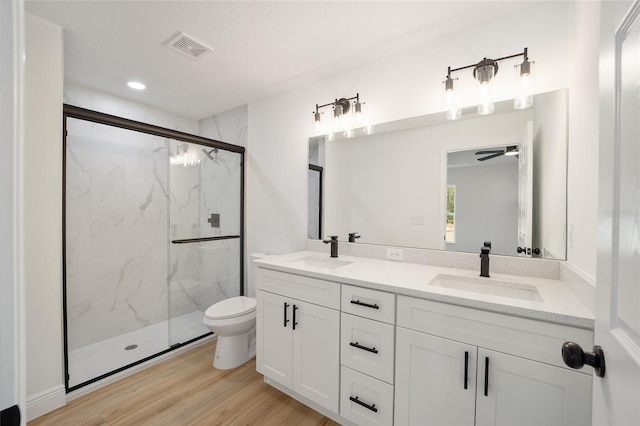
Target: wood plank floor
{"points": [[186, 390]]}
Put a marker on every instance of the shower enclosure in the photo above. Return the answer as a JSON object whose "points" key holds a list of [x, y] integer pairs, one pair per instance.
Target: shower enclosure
{"points": [[153, 229]]}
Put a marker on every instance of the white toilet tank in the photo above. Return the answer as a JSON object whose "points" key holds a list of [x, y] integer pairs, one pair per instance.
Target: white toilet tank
{"points": [[251, 287]]}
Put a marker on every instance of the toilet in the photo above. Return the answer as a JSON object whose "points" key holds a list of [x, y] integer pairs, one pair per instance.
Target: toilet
{"points": [[234, 322]]}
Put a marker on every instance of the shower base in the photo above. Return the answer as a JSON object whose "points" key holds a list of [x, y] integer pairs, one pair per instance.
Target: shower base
{"points": [[91, 361]]}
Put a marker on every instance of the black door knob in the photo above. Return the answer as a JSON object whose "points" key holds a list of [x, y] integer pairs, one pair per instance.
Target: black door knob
{"points": [[575, 357]]}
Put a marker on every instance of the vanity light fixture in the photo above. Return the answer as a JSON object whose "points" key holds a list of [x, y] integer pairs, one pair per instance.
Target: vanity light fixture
{"points": [[484, 72], [341, 119]]}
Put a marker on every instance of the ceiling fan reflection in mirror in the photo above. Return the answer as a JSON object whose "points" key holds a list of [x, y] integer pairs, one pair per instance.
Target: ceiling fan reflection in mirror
{"points": [[511, 150]]}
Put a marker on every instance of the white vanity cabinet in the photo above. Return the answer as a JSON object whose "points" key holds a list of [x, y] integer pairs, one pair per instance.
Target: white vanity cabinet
{"points": [[298, 335], [511, 367], [367, 356]]}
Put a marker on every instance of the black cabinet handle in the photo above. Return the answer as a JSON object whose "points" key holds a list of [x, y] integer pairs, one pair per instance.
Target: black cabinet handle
{"points": [[368, 305], [466, 368], [364, 348], [286, 305], [575, 357], [295, 308], [486, 376], [371, 407]]}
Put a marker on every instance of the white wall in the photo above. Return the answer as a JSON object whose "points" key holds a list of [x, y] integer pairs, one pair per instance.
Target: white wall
{"points": [[404, 85], [549, 175], [12, 371], [582, 210], [43, 215]]}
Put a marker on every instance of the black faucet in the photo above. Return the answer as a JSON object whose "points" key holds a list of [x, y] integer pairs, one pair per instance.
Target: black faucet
{"points": [[334, 245], [484, 259], [353, 236]]}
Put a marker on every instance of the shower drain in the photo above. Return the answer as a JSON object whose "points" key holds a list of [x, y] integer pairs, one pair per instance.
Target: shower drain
{"points": [[130, 347]]}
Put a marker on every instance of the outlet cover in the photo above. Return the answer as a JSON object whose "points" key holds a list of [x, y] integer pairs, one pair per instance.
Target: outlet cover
{"points": [[395, 254], [417, 220]]}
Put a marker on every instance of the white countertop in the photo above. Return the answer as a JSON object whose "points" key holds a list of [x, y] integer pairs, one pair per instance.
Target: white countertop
{"points": [[558, 304]]}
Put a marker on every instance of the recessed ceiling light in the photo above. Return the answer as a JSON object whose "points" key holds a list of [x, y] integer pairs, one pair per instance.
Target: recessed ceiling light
{"points": [[136, 85]]}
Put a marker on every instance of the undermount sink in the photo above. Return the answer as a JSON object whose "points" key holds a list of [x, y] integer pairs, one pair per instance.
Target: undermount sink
{"points": [[320, 262], [488, 286]]}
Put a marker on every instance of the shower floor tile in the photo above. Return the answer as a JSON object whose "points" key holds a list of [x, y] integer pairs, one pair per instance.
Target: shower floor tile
{"points": [[94, 360]]}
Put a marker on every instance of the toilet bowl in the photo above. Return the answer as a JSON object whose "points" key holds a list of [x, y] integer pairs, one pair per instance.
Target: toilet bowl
{"points": [[234, 322]]}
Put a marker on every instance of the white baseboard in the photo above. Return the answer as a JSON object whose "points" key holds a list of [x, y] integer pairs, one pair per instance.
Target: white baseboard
{"points": [[45, 401]]}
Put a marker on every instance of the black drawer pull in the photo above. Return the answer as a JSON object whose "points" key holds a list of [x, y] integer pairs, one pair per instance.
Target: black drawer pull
{"points": [[371, 407], [295, 308], [286, 305], [368, 305], [364, 348], [486, 376], [466, 368]]}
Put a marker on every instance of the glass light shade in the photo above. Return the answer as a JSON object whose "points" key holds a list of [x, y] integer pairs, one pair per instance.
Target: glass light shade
{"points": [[357, 111], [526, 87], [450, 100], [485, 99], [338, 118], [451, 105], [317, 123]]}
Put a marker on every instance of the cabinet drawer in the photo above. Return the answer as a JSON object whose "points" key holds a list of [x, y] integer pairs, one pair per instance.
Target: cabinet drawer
{"points": [[368, 303], [527, 338], [367, 346], [374, 404], [318, 292]]}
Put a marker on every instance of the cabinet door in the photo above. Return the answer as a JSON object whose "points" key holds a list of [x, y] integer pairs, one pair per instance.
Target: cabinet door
{"points": [[524, 392], [316, 348], [430, 380], [273, 337]]}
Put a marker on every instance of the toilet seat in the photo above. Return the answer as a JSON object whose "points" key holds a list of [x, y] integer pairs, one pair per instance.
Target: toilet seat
{"points": [[231, 308]]}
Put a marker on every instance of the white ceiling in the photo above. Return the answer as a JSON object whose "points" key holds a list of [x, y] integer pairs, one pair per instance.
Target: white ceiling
{"points": [[260, 47]]}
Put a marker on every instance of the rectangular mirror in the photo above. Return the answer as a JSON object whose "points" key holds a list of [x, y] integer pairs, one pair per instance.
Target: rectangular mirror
{"points": [[426, 182]]}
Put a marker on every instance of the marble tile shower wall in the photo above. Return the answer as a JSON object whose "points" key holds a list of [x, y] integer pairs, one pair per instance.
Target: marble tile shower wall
{"points": [[121, 212], [221, 195], [116, 254]]}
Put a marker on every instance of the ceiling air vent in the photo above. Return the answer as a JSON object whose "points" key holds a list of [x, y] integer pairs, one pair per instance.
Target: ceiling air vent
{"points": [[188, 46]]}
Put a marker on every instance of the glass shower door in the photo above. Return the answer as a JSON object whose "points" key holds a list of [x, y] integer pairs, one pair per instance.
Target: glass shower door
{"points": [[116, 205], [205, 251]]}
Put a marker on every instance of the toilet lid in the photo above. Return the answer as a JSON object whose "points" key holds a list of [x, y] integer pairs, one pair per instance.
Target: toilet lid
{"points": [[230, 308]]}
